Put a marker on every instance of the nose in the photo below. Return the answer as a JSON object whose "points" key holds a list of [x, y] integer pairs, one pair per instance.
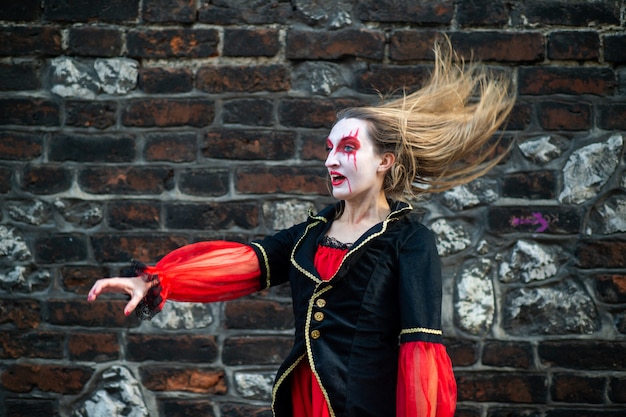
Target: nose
{"points": [[331, 159]]}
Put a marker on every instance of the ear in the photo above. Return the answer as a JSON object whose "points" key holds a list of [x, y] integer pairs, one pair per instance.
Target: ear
{"points": [[387, 161]]}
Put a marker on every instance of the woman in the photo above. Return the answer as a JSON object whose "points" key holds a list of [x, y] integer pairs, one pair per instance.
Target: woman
{"points": [[364, 273]]}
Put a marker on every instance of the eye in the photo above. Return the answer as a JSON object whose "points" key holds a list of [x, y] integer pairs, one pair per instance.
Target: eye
{"points": [[329, 146], [349, 148]]}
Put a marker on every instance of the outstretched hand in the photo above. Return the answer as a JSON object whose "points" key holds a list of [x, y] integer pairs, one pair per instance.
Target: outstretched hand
{"points": [[135, 287]]}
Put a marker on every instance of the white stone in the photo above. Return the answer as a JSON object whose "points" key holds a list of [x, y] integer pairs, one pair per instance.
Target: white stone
{"points": [[179, 315], [284, 214], [12, 245], [256, 385], [71, 78], [541, 149], [588, 169], [450, 239], [613, 213], [117, 75], [477, 192], [475, 306], [528, 262]]}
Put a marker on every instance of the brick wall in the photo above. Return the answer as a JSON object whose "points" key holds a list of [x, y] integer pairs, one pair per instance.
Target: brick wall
{"points": [[129, 128]]}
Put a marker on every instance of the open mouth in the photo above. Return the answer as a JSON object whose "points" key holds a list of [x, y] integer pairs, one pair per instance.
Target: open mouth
{"points": [[336, 179]]}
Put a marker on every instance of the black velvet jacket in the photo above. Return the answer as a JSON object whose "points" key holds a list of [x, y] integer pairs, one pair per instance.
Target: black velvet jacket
{"points": [[386, 291]]}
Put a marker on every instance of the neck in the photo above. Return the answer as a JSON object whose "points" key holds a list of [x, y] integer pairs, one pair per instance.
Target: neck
{"points": [[373, 211]]}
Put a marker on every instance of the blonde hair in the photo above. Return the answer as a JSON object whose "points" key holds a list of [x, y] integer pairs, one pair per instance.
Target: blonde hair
{"points": [[440, 133]]}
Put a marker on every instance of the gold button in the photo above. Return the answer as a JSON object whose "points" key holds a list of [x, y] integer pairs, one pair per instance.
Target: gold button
{"points": [[319, 316], [321, 303], [315, 334]]}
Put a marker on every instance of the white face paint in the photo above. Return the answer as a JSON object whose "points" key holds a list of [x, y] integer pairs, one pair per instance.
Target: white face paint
{"points": [[352, 161]]}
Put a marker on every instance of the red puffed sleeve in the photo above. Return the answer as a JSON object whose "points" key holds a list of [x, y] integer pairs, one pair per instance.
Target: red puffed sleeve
{"points": [[426, 385], [203, 272]]}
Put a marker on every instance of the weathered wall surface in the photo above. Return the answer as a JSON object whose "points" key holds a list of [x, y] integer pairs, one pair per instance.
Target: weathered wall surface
{"points": [[129, 128]]}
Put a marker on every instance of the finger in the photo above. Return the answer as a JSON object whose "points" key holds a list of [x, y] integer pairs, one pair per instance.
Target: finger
{"points": [[108, 285], [132, 305]]}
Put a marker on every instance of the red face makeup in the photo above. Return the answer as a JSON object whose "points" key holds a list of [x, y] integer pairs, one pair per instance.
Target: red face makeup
{"points": [[351, 160]]}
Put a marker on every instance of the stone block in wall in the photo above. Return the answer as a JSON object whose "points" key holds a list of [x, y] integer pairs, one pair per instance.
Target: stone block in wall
{"points": [[566, 80], [595, 253], [30, 40], [502, 387], [609, 216], [21, 10], [205, 182], [543, 149], [247, 79], [80, 212], [574, 45], [116, 392], [237, 12], [565, 115], [185, 379], [530, 261], [534, 219], [168, 112], [20, 313], [89, 113], [45, 179], [558, 309], [572, 388], [26, 111], [176, 347], [499, 46], [61, 379], [256, 385], [251, 42], [155, 80], [477, 192], [20, 75], [571, 13], [185, 407], [315, 44], [20, 146], [431, 12], [589, 168], [96, 347], [33, 344], [83, 10], [168, 11], [179, 316], [212, 216], [586, 355], [277, 179], [128, 180], [474, 307], [108, 148], [614, 47], [79, 312], [612, 116], [452, 236], [172, 43], [283, 214], [171, 147], [258, 314], [95, 41], [251, 112], [256, 350], [323, 78], [134, 214]]}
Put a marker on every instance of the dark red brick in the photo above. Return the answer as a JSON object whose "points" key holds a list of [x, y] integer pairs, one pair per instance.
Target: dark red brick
{"points": [[617, 389], [20, 10], [257, 350], [585, 355], [387, 79], [249, 144], [251, 42], [95, 41], [462, 352], [463, 410], [6, 180], [183, 11], [575, 44], [19, 146], [538, 219], [251, 112], [520, 117], [30, 40], [565, 115], [20, 313], [312, 113], [29, 407], [25, 377], [161, 112], [20, 76], [92, 148], [499, 46], [244, 79], [79, 278], [96, 114], [269, 180], [183, 407], [530, 185], [60, 248], [45, 179], [435, 11], [93, 347], [125, 180], [205, 182], [598, 411], [566, 80], [507, 354], [244, 410], [572, 388], [134, 214], [173, 43], [212, 216], [145, 248], [171, 147], [29, 112], [315, 44], [612, 116], [568, 13], [314, 146], [196, 380], [505, 387], [85, 10], [165, 80], [413, 44], [104, 312], [165, 348], [513, 412], [611, 288], [258, 314], [46, 345], [614, 50], [483, 13], [237, 13], [601, 253]]}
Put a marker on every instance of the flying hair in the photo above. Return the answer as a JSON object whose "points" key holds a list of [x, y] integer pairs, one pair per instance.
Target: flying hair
{"points": [[442, 134]]}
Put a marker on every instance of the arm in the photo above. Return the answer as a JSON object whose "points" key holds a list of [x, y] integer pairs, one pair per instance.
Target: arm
{"points": [[426, 385], [200, 272]]}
